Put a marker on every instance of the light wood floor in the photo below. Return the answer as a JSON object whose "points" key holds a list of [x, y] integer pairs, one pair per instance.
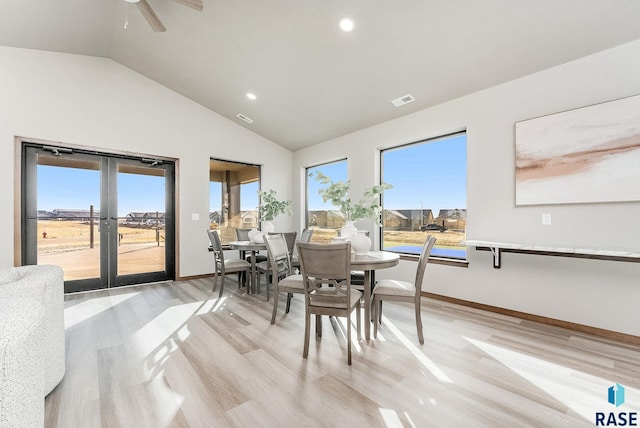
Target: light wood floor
{"points": [[172, 354]]}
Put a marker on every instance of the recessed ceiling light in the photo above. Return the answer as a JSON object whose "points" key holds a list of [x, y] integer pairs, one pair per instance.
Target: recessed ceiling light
{"points": [[346, 25], [251, 96]]}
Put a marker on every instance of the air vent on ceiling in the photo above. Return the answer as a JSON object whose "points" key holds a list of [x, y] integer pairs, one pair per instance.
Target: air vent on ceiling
{"points": [[245, 118], [403, 100]]}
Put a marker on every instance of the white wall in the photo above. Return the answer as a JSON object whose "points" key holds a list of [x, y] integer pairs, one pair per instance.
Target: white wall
{"points": [[598, 293], [98, 103]]}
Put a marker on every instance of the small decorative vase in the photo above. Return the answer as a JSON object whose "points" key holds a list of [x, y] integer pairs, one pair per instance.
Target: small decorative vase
{"points": [[267, 227], [252, 233], [348, 230], [360, 243], [258, 238]]}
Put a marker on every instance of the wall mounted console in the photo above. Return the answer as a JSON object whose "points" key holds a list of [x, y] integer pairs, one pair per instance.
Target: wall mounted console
{"points": [[497, 248]]}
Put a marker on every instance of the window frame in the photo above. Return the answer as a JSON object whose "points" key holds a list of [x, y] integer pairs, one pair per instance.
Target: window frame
{"points": [[306, 184], [440, 259], [240, 163]]}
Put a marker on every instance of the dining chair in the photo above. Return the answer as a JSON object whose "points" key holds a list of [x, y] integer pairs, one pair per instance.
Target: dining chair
{"points": [[224, 266], [403, 291], [305, 236], [242, 234], [264, 267], [281, 277], [327, 287]]}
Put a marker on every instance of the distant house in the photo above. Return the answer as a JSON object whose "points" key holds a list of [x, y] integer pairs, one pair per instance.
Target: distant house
{"points": [[409, 219], [214, 217], [72, 214], [249, 219], [145, 218], [45, 215], [326, 219], [392, 219], [452, 218]]}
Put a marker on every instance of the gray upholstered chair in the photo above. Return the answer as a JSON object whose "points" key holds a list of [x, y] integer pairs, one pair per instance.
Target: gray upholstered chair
{"points": [[222, 266], [305, 236], [264, 266], [327, 287], [403, 291], [282, 279]]}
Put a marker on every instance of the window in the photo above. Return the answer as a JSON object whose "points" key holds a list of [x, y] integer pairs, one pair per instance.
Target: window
{"points": [[322, 217], [428, 196], [233, 197]]}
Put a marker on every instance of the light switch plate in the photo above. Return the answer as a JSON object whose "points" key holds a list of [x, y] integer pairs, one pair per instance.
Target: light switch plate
{"points": [[546, 219], [195, 216]]}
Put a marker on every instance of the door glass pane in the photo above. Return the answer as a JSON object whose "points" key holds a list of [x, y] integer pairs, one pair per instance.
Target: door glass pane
{"points": [[68, 192], [141, 219]]}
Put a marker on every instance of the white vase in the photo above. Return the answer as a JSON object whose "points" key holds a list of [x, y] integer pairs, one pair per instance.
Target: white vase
{"points": [[252, 233], [258, 238], [360, 243], [348, 230], [267, 227]]}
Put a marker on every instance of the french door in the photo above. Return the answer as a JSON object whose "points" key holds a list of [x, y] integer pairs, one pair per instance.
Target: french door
{"points": [[107, 220]]}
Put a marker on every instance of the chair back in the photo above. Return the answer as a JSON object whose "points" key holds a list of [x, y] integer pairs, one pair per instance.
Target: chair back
{"points": [[242, 234], [218, 254], [306, 235], [290, 238], [423, 260], [326, 273], [278, 254]]}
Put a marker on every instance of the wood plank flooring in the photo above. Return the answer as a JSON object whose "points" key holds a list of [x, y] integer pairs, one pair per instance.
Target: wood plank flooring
{"points": [[174, 355]]}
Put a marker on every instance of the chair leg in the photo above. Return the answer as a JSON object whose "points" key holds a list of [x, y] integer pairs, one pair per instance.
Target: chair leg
{"points": [[419, 323], [275, 306], [380, 311], [349, 338], [215, 282], [289, 297], [319, 325], [358, 322], [376, 309], [221, 285], [307, 328]]}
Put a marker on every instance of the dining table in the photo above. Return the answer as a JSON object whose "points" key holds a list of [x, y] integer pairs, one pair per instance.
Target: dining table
{"points": [[369, 263], [254, 247]]}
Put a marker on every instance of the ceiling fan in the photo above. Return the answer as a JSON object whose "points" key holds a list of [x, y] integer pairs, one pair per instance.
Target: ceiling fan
{"points": [[153, 19]]}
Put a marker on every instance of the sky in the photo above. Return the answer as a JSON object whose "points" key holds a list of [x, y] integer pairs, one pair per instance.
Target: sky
{"points": [[74, 188], [428, 176]]}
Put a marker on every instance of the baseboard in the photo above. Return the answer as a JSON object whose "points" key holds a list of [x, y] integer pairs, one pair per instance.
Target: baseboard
{"points": [[600, 332], [187, 278]]}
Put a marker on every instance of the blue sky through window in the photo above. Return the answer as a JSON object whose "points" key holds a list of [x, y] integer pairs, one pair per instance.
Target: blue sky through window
{"points": [[74, 188]]}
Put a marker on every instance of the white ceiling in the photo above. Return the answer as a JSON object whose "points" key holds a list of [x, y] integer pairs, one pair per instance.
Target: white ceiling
{"points": [[313, 81]]}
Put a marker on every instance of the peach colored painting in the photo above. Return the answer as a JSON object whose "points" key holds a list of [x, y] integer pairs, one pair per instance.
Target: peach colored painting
{"points": [[587, 155]]}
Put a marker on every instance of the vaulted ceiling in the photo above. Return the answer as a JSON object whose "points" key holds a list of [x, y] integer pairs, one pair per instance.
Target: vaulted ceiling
{"points": [[312, 81]]}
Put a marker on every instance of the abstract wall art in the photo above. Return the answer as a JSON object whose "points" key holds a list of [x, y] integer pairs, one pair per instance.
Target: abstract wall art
{"points": [[587, 155]]}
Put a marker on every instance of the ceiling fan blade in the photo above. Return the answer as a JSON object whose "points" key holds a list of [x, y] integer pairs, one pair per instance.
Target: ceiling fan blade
{"points": [[194, 4], [150, 16]]}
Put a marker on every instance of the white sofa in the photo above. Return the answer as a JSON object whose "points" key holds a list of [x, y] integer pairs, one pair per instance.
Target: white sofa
{"points": [[21, 365], [35, 287]]}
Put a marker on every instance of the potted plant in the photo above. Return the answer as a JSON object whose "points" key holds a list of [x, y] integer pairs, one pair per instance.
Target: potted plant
{"points": [[368, 207], [270, 207]]}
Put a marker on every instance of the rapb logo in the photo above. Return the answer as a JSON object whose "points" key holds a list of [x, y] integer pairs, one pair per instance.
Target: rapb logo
{"points": [[616, 395]]}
